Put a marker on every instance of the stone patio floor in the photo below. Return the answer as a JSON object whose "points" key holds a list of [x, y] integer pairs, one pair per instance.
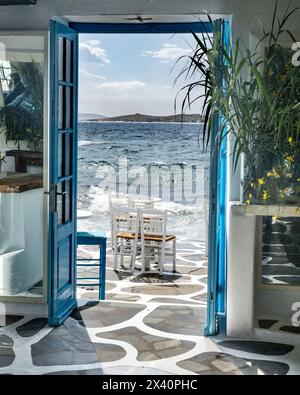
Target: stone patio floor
{"points": [[149, 324]]}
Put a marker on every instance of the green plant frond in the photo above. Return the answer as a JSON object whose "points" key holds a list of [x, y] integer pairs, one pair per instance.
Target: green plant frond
{"points": [[255, 97]]}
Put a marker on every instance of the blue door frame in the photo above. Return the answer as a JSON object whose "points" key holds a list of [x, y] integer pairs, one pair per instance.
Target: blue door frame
{"points": [[217, 249], [217, 224]]}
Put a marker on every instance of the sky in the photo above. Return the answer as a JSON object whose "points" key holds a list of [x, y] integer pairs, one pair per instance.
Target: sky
{"points": [[130, 73]]}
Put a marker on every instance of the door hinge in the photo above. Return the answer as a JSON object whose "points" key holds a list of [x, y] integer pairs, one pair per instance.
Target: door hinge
{"points": [[217, 323]]}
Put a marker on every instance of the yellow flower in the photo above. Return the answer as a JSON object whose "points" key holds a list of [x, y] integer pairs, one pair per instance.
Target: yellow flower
{"points": [[273, 173], [250, 196], [261, 181], [290, 158], [298, 179], [290, 140], [276, 216], [265, 195], [248, 201]]}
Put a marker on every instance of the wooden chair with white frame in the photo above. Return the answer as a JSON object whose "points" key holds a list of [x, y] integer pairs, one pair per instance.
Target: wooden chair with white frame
{"points": [[115, 202], [125, 236], [154, 237]]}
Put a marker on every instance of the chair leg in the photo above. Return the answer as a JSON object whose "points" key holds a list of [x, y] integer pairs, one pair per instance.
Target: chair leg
{"points": [[115, 254], [162, 259], [174, 256], [143, 258], [133, 257], [102, 274], [122, 255]]}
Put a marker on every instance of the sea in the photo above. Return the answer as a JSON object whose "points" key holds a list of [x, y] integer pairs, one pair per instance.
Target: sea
{"points": [[165, 162]]}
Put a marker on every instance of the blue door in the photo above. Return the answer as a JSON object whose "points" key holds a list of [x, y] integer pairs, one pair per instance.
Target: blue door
{"points": [[216, 306], [62, 172]]}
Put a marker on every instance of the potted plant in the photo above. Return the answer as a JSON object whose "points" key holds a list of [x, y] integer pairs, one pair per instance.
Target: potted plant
{"points": [[257, 97], [21, 117]]}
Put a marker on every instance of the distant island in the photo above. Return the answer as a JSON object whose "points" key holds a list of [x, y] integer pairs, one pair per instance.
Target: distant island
{"points": [[195, 118], [89, 116]]}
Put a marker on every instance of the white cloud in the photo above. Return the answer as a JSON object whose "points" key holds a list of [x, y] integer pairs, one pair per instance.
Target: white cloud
{"points": [[86, 74], [167, 52], [93, 43], [122, 85], [93, 47]]}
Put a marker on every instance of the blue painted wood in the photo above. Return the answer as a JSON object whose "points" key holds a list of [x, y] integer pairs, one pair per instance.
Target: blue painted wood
{"points": [[159, 28], [62, 234], [217, 269], [86, 238]]}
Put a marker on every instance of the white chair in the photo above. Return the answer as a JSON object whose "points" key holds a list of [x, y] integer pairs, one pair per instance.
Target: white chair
{"points": [[154, 238], [141, 203], [116, 202], [125, 236]]}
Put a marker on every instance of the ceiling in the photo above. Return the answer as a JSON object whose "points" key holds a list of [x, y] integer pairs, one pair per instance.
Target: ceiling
{"points": [[17, 2]]}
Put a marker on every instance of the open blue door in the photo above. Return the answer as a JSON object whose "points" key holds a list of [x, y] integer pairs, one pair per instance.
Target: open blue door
{"points": [[62, 173], [217, 274]]}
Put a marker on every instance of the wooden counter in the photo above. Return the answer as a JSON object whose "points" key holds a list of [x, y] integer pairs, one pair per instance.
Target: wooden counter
{"points": [[19, 183]]}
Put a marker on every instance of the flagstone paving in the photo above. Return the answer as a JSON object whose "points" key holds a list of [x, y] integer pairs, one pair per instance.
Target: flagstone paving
{"points": [[150, 347], [174, 319], [225, 364], [32, 327], [148, 324], [7, 354]]}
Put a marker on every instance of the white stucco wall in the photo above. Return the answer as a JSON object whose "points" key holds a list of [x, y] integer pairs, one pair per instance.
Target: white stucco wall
{"points": [[241, 272]]}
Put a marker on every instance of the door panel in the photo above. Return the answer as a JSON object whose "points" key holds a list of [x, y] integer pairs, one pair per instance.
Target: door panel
{"points": [[63, 173]]}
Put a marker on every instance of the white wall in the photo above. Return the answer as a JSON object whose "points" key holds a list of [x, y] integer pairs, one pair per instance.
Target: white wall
{"points": [[241, 273]]}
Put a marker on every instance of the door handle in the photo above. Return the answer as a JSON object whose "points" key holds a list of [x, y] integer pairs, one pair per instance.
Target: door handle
{"points": [[57, 193], [53, 197]]}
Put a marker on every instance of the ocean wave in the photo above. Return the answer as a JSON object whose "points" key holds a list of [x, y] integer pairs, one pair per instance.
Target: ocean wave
{"points": [[82, 143], [99, 202]]}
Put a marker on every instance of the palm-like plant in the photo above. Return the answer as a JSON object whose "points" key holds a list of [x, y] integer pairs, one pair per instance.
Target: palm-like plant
{"points": [[22, 119], [257, 98]]}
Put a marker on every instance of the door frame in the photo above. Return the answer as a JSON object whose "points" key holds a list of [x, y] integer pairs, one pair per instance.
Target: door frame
{"points": [[214, 234]]}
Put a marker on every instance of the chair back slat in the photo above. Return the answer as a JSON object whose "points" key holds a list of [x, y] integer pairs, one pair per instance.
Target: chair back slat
{"points": [[142, 203], [125, 219], [153, 222]]}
